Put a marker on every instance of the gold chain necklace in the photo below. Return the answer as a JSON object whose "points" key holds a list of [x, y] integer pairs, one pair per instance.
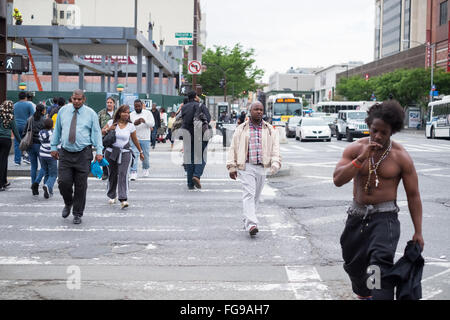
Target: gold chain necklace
{"points": [[373, 167]]}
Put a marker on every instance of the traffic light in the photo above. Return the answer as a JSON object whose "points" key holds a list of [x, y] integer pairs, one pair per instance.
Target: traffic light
{"points": [[14, 63], [222, 83]]}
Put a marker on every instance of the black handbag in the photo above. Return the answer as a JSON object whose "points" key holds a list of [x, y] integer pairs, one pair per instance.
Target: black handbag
{"points": [[109, 139]]}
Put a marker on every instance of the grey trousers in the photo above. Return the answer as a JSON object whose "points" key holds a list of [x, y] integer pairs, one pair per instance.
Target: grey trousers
{"points": [[118, 176]]}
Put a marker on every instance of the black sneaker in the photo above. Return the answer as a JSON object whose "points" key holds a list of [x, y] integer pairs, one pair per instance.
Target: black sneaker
{"points": [[191, 187], [35, 188], [46, 194], [76, 220], [2, 189], [66, 211], [253, 231]]}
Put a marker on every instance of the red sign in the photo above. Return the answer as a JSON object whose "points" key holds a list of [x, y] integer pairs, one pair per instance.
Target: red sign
{"points": [[448, 48], [119, 59], [367, 76]]}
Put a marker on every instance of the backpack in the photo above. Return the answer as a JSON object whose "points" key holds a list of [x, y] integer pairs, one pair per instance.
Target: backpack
{"points": [[200, 121]]}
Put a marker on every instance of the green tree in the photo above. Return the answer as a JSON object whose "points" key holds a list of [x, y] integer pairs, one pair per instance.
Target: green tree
{"points": [[239, 68], [408, 86]]}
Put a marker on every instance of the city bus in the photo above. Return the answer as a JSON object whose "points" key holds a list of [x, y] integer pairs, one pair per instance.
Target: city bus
{"points": [[282, 106], [438, 119], [336, 106]]}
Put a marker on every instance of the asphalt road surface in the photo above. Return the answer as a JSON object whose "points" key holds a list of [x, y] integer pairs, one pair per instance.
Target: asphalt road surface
{"points": [[172, 243]]}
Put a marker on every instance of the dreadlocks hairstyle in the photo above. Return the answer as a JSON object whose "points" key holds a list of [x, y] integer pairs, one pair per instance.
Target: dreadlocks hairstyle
{"points": [[390, 111], [7, 113]]}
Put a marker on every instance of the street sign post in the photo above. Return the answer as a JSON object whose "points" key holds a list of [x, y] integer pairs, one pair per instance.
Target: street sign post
{"points": [[195, 67]]}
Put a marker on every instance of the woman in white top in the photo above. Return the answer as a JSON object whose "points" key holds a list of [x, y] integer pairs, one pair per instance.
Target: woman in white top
{"points": [[120, 155]]}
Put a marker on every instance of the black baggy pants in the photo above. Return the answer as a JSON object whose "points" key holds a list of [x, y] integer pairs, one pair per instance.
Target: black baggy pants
{"points": [[370, 242], [5, 146], [73, 171]]}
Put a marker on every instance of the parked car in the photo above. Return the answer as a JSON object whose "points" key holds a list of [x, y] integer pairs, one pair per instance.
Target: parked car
{"points": [[291, 124], [350, 124], [312, 128]]}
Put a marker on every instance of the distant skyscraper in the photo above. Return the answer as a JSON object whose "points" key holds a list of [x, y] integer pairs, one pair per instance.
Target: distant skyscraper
{"points": [[399, 25]]}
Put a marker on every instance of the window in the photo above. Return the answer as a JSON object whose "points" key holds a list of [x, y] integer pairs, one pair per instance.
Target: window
{"points": [[69, 14], [61, 14], [443, 13]]}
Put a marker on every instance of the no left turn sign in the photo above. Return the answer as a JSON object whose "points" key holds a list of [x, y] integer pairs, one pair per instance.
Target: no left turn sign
{"points": [[194, 67]]}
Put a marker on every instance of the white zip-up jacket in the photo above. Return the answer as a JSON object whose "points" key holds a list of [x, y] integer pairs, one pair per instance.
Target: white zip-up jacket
{"points": [[143, 130], [270, 144]]}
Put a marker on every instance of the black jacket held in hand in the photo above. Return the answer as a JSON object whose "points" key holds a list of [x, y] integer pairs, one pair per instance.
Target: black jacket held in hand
{"points": [[406, 274]]}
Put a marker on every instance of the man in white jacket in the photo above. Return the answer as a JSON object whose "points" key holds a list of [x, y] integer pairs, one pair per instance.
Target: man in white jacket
{"points": [[144, 122], [254, 150]]}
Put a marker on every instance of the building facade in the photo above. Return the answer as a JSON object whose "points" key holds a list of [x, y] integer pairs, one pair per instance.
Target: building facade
{"points": [[399, 25], [325, 80], [172, 30]]}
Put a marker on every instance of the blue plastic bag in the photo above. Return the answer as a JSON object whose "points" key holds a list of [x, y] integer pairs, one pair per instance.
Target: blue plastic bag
{"points": [[96, 167]]}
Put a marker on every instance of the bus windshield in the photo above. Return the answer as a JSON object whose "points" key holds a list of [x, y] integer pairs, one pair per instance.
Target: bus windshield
{"points": [[287, 109]]}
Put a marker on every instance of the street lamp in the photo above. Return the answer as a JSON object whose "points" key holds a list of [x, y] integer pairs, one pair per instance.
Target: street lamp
{"points": [[432, 46], [119, 89], [22, 86]]}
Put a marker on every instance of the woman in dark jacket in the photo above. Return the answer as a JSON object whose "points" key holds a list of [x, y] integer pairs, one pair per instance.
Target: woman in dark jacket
{"points": [[7, 125], [37, 124]]}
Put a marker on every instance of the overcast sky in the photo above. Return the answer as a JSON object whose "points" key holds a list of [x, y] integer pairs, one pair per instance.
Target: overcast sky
{"points": [[294, 33]]}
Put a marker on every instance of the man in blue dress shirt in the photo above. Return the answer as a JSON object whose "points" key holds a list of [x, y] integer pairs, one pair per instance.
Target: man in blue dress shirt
{"points": [[77, 130]]}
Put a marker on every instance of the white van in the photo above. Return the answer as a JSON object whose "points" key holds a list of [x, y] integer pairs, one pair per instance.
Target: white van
{"points": [[350, 123]]}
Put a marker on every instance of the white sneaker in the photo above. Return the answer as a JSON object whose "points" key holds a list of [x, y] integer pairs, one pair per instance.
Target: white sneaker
{"points": [[112, 201], [146, 173], [124, 204], [133, 176]]}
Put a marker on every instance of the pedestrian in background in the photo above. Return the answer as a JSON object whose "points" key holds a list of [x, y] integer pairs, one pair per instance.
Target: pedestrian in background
{"points": [[144, 122], [169, 128], [194, 155], [106, 114], [157, 118], [120, 155], [254, 147], [30, 97], [35, 123], [61, 102], [372, 230], [77, 130], [7, 126], [49, 166], [54, 105], [23, 110]]}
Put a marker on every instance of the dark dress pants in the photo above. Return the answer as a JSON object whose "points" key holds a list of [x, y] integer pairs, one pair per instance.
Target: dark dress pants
{"points": [[5, 146], [73, 171]]}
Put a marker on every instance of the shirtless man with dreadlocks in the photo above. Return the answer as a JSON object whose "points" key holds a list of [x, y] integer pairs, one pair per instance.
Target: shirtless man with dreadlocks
{"points": [[372, 230]]}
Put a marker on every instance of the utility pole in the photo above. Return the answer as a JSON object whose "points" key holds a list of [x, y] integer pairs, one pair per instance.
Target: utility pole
{"points": [[3, 37], [194, 43]]}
